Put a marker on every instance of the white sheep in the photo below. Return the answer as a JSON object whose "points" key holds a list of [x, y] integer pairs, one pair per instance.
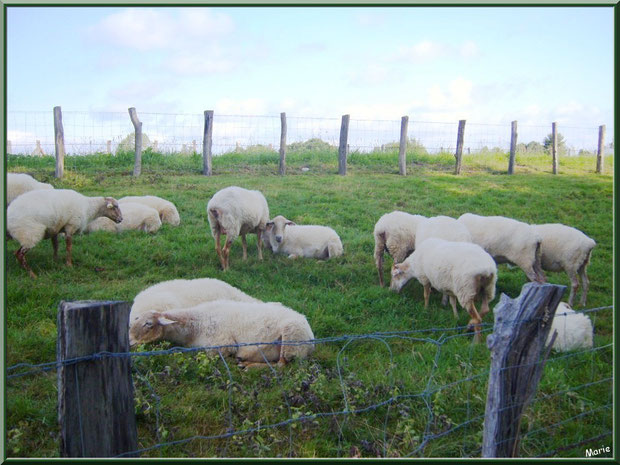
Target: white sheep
{"points": [[183, 293], [566, 249], [574, 329], [136, 216], [286, 237], [42, 214], [167, 210], [229, 323], [18, 183], [235, 211], [462, 270], [507, 241], [395, 234], [442, 227]]}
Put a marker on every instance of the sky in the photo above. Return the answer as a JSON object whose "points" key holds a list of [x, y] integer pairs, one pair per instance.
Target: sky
{"points": [[436, 64]]}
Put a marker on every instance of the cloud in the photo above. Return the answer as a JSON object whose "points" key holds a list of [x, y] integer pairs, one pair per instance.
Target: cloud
{"points": [[371, 74], [422, 51], [469, 49], [458, 94]]}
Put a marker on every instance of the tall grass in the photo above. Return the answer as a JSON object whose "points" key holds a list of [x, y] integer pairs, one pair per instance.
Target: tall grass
{"points": [[339, 297]]}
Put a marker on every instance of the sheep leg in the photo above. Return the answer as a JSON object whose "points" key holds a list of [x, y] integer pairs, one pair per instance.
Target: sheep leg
{"points": [[474, 322], [427, 294], [226, 254], [259, 244], [282, 360], [245, 365], [453, 304], [69, 244], [484, 309], [444, 299], [245, 247], [585, 285], [379, 262], [574, 281], [21, 258], [218, 245], [54, 240]]}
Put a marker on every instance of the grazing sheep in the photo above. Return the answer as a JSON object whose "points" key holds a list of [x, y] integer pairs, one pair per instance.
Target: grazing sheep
{"points": [[574, 329], [18, 183], [167, 211], [136, 216], [462, 270], [183, 293], [235, 211], [566, 249], [42, 214], [294, 240], [395, 233], [507, 241], [442, 227], [228, 323]]}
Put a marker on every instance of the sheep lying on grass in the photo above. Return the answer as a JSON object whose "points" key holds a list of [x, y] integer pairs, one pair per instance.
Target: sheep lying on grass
{"points": [[462, 270], [167, 211], [136, 216], [235, 211], [229, 323], [42, 214], [294, 240], [19, 183], [574, 329], [184, 293], [507, 241], [395, 233], [566, 249]]}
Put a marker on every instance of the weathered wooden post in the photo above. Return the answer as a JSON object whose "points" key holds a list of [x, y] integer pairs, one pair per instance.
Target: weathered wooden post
{"points": [[517, 343], [459, 146], [600, 153], [513, 147], [108, 147], [95, 396], [343, 147], [282, 167], [554, 146], [207, 143], [137, 124], [59, 143], [402, 147], [9, 147]]}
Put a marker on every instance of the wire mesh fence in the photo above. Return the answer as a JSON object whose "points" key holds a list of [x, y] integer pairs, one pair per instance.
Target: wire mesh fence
{"points": [[416, 393]]}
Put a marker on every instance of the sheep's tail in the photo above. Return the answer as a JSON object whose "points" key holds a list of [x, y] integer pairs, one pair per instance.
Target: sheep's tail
{"points": [[380, 246], [485, 285], [540, 274]]}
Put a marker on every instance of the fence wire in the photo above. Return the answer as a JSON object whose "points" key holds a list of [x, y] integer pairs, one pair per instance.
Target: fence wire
{"points": [[401, 399]]}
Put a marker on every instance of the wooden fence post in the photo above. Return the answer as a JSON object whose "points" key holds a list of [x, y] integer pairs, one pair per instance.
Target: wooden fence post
{"points": [[207, 143], [282, 167], [517, 343], [513, 147], [554, 146], [108, 146], [600, 153], [343, 147], [9, 147], [402, 147], [137, 124], [459, 146], [59, 143], [95, 397]]}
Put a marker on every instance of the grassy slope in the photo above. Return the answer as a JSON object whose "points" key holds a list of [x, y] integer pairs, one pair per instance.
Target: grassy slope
{"points": [[339, 297]]}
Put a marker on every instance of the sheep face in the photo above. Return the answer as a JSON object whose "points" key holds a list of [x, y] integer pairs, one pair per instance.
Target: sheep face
{"points": [[275, 229], [112, 210], [148, 327], [401, 274]]}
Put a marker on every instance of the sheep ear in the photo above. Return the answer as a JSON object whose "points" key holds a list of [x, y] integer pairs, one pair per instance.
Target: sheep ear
{"points": [[162, 320], [269, 225], [290, 223], [110, 205]]}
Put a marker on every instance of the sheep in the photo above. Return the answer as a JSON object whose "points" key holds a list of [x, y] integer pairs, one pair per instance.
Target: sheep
{"points": [[462, 270], [42, 214], [167, 211], [286, 237], [235, 211], [183, 293], [566, 249], [229, 323], [136, 216], [18, 183], [507, 241], [442, 227], [574, 329], [395, 233]]}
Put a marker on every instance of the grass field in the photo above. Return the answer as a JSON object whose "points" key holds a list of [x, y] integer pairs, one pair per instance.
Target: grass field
{"points": [[438, 380]]}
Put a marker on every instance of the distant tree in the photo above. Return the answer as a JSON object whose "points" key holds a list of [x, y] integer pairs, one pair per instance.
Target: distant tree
{"points": [[413, 145], [534, 147], [310, 145], [560, 141], [128, 144]]}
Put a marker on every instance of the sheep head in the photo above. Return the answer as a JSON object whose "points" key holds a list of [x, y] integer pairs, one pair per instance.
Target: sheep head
{"points": [[275, 228], [401, 274], [111, 210], [148, 327]]}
